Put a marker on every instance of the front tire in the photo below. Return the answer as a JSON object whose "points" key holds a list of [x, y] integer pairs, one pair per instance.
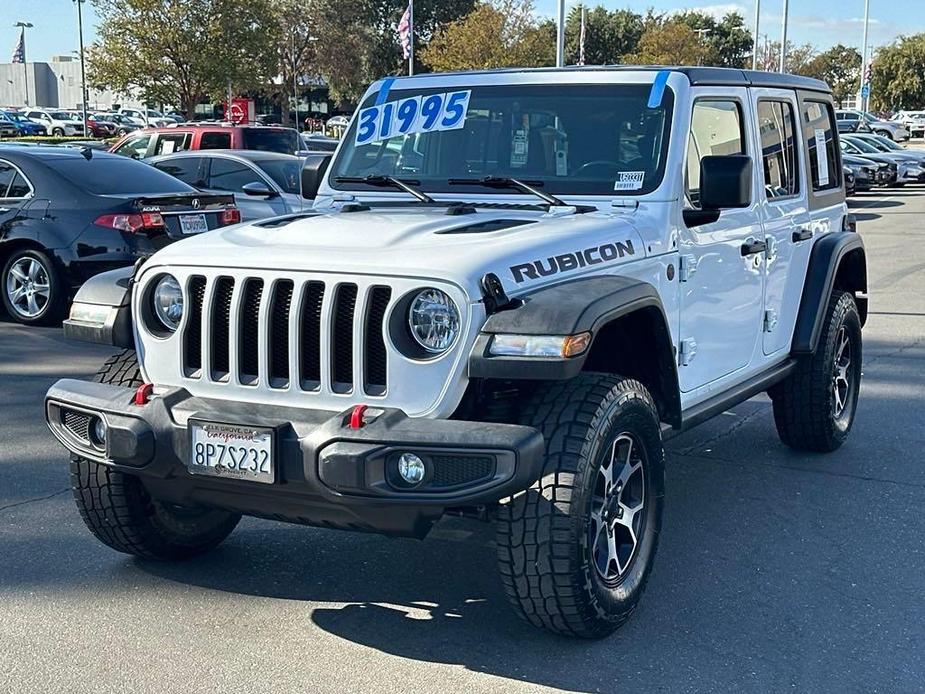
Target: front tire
{"points": [[33, 288], [118, 510], [57, 132], [814, 407], [575, 550]]}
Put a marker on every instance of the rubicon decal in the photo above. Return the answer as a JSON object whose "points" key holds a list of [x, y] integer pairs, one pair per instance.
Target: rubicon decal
{"points": [[572, 261]]}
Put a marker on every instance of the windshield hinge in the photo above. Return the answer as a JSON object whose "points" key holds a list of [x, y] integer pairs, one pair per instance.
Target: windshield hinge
{"points": [[623, 204]]}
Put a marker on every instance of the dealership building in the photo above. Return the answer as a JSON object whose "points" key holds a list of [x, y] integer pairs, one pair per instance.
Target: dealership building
{"points": [[55, 85]]}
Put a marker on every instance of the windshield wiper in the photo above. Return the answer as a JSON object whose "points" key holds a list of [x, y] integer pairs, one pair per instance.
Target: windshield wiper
{"points": [[388, 181], [513, 183]]}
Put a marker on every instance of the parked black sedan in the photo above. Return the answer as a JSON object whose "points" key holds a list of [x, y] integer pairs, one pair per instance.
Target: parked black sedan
{"points": [[67, 214]]}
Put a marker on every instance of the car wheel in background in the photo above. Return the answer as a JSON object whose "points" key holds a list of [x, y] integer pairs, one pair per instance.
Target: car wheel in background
{"points": [[57, 132], [33, 289], [884, 133]]}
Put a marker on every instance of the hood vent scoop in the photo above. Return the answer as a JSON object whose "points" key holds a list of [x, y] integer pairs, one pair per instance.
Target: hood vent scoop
{"points": [[283, 221], [489, 225]]}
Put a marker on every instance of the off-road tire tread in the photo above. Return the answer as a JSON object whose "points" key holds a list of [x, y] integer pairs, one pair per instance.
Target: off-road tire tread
{"points": [[801, 408], [115, 506], [552, 595]]}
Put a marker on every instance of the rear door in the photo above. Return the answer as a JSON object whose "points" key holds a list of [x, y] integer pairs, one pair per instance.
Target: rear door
{"points": [[228, 175], [784, 212]]}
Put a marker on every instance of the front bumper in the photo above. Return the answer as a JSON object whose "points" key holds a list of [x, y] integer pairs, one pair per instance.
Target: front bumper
{"points": [[326, 473]]}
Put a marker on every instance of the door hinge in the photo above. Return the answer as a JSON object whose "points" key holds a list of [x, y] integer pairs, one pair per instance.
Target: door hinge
{"points": [[687, 267], [770, 320], [771, 253], [687, 351]]}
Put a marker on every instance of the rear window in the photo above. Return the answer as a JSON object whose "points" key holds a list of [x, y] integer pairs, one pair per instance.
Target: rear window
{"points": [[287, 174], [215, 141], [819, 128], [284, 141], [117, 176]]}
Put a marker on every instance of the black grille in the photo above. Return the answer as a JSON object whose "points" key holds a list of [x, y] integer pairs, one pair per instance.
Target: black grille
{"points": [[345, 300], [453, 470], [376, 364], [310, 335], [221, 327], [249, 337], [77, 423], [279, 334], [192, 344]]}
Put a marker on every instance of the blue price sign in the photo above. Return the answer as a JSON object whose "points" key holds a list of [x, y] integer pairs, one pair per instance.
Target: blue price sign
{"points": [[416, 114], [865, 91]]}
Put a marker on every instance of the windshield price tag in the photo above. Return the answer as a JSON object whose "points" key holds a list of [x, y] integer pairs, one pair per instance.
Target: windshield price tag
{"points": [[416, 114], [630, 180]]}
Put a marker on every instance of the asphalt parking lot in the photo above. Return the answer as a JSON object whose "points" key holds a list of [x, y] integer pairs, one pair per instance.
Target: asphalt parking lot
{"points": [[777, 571]]}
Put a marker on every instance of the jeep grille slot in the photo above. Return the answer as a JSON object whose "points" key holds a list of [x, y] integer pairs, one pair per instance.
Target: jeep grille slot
{"points": [[249, 336], [279, 334], [375, 364], [345, 299], [192, 338], [221, 328], [310, 335]]}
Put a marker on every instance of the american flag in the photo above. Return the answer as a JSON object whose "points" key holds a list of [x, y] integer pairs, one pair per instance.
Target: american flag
{"points": [[404, 32], [19, 53]]}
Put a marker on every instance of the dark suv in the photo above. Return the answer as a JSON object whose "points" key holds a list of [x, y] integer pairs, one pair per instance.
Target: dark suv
{"points": [[154, 141]]}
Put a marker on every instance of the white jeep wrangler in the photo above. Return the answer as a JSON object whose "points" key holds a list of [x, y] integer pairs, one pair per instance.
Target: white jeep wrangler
{"points": [[510, 283]]}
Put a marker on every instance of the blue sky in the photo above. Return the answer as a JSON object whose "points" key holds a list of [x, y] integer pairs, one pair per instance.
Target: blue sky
{"points": [[821, 22]]}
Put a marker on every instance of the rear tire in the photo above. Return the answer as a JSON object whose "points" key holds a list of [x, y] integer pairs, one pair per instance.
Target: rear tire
{"points": [[814, 407], [575, 550], [34, 291], [118, 510]]}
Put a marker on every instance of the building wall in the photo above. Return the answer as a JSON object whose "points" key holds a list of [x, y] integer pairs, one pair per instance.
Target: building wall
{"points": [[55, 84]]}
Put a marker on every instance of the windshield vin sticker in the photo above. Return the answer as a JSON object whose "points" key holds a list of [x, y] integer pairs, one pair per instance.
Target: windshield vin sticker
{"points": [[416, 114], [630, 180]]}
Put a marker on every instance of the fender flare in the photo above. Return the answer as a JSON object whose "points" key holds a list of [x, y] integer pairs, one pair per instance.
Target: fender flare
{"points": [[106, 302], [836, 256], [569, 308]]}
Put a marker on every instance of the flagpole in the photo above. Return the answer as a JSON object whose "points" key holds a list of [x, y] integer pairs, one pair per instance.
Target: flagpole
{"points": [[410, 37], [25, 70]]}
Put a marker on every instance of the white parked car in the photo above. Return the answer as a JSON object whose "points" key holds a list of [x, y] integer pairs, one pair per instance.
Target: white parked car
{"points": [[509, 283], [148, 118], [57, 122], [913, 120]]}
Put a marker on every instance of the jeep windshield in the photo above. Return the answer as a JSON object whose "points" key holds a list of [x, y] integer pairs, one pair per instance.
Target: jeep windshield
{"points": [[576, 139]]}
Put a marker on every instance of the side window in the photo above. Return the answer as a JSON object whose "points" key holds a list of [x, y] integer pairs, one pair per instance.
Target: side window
{"points": [[187, 169], [135, 147], [7, 174], [174, 142], [19, 188], [215, 141], [777, 131], [819, 131], [229, 175], [716, 129]]}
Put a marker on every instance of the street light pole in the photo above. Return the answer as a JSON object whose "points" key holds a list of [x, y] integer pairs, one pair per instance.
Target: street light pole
{"points": [[25, 69], [864, 57], [755, 42], [295, 89], [560, 35], [83, 71], [783, 37]]}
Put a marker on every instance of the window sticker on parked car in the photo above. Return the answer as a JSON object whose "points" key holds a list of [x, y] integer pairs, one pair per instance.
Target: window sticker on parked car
{"points": [[630, 180], [821, 158], [416, 114]]}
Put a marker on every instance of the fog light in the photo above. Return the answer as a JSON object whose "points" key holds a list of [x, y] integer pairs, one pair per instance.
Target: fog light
{"points": [[98, 433], [411, 468]]}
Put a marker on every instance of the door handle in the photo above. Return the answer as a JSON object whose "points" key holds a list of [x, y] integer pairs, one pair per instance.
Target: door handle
{"points": [[752, 247], [802, 235]]}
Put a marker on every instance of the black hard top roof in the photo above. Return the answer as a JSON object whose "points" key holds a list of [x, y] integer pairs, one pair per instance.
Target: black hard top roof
{"points": [[698, 76]]}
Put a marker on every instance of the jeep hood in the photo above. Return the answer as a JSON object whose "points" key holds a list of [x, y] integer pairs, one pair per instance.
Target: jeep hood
{"points": [[523, 248]]}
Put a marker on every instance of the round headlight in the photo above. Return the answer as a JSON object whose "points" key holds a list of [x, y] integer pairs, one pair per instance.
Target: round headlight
{"points": [[434, 320], [168, 302]]}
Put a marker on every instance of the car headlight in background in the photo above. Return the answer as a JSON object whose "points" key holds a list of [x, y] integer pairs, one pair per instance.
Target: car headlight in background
{"points": [[434, 320], [167, 302]]}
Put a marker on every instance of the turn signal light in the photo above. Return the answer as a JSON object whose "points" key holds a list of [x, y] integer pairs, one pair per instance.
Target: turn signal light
{"points": [[231, 215], [132, 223]]}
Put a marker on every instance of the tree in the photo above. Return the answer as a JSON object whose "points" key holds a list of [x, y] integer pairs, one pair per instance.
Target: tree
{"points": [[671, 43], [609, 35], [297, 59], [501, 34], [799, 58], [728, 41], [182, 52], [898, 75], [840, 68]]}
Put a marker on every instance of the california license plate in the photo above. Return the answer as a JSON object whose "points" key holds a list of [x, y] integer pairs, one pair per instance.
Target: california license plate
{"points": [[193, 223], [231, 450]]}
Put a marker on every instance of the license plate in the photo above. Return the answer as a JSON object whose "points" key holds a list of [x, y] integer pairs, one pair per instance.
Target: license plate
{"points": [[193, 223], [231, 450]]}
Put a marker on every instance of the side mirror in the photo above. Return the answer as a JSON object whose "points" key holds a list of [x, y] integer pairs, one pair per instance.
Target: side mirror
{"points": [[725, 183], [313, 171], [259, 189]]}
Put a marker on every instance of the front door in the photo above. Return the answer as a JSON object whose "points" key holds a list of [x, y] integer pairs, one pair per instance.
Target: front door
{"points": [[784, 212], [722, 266]]}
